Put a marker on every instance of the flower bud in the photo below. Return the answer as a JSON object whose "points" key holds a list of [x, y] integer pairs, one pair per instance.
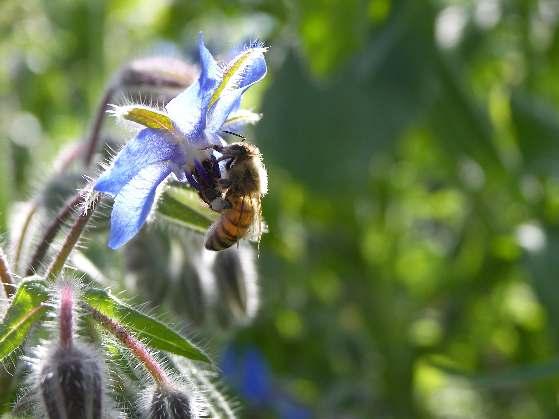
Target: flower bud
{"points": [[157, 77], [194, 290], [168, 403], [147, 264], [236, 277], [60, 188], [71, 383]]}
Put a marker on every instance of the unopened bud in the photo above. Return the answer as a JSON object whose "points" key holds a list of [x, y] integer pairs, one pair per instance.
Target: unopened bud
{"points": [[236, 277], [61, 187], [194, 291], [166, 403], [71, 383], [157, 77]]}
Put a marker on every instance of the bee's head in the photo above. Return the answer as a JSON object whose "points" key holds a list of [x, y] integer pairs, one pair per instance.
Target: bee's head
{"points": [[241, 150]]}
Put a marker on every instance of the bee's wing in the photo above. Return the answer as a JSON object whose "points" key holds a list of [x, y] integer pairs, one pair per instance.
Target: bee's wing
{"points": [[258, 226]]}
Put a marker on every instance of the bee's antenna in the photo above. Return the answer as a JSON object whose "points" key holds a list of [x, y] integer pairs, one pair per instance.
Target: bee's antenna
{"points": [[243, 138]]}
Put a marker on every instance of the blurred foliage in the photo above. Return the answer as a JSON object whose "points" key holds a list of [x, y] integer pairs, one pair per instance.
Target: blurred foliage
{"points": [[410, 270]]}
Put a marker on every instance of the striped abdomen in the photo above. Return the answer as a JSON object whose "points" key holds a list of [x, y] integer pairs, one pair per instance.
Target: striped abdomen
{"points": [[232, 225]]}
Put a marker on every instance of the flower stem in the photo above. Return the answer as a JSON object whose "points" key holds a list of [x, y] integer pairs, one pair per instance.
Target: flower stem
{"points": [[51, 232], [135, 346], [65, 315], [71, 240], [94, 135], [5, 275], [62, 162], [31, 211]]}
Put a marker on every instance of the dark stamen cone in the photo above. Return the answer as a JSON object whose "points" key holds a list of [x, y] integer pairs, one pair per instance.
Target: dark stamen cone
{"points": [[71, 384]]}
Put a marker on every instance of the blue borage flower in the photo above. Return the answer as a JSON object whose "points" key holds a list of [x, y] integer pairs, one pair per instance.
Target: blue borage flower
{"points": [[176, 140]]}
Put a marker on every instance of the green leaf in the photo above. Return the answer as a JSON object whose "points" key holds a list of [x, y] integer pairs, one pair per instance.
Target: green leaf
{"points": [[521, 375], [536, 124], [157, 334], [26, 309], [184, 207]]}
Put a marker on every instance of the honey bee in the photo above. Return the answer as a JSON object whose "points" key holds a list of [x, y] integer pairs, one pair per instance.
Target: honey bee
{"points": [[244, 183]]}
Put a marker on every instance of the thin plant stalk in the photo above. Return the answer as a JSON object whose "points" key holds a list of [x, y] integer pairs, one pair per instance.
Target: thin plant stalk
{"points": [[92, 140], [34, 206], [135, 346], [66, 316], [71, 240], [62, 162], [51, 233], [5, 275]]}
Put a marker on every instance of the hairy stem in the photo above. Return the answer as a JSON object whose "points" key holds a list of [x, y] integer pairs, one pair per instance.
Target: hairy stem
{"points": [[31, 211], [94, 135], [62, 162], [71, 240], [5, 275], [51, 233], [135, 346], [65, 315]]}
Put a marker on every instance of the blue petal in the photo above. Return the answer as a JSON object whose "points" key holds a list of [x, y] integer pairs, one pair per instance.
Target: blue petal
{"points": [[148, 147], [226, 104], [210, 72], [188, 109], [253, 71], [133, 203]]}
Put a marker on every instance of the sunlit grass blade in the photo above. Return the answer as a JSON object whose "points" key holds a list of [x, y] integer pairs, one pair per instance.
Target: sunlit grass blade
{"points": [[156, 334], [25, 309]]}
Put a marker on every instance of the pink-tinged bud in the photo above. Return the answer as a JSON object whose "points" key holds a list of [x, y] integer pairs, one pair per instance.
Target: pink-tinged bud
{"points": [[159, 72], [71, 383], [168, 403], [157, 79]]}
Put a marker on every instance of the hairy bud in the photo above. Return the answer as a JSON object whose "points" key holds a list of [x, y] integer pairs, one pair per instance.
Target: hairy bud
{"points": [[71, 383], [159, 77], [167, 403], [147, 264], [236, 277]]}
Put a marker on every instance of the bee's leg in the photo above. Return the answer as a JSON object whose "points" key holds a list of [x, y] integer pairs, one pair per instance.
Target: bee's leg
{"points": [[219, 204], [215, 167], [192, 181], [224, 184]]}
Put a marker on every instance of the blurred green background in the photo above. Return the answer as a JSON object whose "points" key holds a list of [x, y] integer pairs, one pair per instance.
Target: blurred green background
{"points": [[412, 264]]}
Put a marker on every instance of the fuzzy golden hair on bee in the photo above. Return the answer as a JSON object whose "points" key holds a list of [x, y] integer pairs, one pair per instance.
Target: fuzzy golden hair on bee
{"points": [[245, 182]]}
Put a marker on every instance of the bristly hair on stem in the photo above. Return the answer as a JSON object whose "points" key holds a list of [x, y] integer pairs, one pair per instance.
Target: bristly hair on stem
{"points": [[134, 345], [51, 232], [73, 236], [62, 162], [30, 212], [66, 315], [5, 275], [92, 140]]}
